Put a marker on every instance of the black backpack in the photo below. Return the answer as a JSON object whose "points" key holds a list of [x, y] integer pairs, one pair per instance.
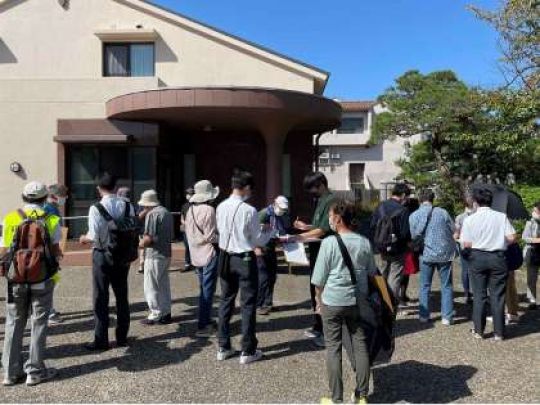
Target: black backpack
{"points": [[123, 245], [387, 233]]}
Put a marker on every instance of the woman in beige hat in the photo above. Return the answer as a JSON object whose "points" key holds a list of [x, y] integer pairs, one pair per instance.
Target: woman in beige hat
{"points": [[201, 231]]}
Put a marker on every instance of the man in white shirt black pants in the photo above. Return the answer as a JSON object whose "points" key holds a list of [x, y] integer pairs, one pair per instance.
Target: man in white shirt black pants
{"points": [[485, 235], [103, 274], [239, 234]]}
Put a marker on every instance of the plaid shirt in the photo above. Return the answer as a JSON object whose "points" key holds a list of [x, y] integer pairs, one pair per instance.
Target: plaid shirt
{"points": [[439, 243]]}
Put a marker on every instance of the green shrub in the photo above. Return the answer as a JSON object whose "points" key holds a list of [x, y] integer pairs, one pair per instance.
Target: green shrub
{"points": [[529, 193]]}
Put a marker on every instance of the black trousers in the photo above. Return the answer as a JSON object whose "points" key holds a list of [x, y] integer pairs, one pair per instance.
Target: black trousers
{"points": [[105, 275], [313, 253], [243, 277], [267, 265], [489, 273]]}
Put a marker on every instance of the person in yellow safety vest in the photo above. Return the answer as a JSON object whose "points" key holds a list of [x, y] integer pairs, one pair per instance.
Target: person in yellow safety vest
{"points": [[28, 299]]}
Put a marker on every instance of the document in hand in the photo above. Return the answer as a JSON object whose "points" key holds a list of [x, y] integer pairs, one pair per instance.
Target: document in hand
{"points": [[295, 253]]}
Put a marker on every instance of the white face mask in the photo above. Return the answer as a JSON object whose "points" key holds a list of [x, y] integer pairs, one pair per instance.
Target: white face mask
{"points": [[279, 211], [61, 201], [332, 225]]}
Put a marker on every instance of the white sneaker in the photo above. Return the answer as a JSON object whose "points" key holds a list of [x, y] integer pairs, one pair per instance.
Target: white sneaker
{"points": [[446, 322], [46, 375], [311, 333], [489, 319], [224, 354], [246, 359]]}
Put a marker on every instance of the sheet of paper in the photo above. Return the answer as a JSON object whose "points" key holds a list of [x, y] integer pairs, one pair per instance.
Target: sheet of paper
{"points": [[295, 253]]}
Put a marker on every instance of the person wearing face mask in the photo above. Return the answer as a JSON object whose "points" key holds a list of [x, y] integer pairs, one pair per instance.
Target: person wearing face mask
{"points": [[275, 218], [57, 198], [240, 234], [466, 279], [344, 263], [531, 236], [316, 184]]}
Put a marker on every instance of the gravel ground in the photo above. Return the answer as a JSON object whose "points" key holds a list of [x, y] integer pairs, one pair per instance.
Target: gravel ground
{"points": [[432, 363]]}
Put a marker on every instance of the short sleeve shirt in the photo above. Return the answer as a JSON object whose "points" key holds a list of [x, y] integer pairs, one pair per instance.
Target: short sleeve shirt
{"points": [[159, 225], [320, 217], [332, 274], [487, 230]]}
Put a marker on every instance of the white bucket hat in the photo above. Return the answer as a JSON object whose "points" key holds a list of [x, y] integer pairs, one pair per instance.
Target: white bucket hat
{"points": [[35, 190], [149, 199], [204, 192]]}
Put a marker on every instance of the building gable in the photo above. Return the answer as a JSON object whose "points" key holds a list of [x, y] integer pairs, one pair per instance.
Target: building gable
{"points": [[177, 33]]}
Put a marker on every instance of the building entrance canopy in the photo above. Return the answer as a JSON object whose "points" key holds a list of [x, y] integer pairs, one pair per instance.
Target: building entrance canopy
{"points": [[229, 108], [274, 114]]}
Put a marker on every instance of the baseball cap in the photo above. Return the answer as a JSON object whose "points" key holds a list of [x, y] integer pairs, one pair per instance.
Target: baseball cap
{"points": [[35, 190], [282, 202]]}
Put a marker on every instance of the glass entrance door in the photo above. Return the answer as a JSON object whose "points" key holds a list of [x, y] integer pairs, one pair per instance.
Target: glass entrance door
{"points": [[135, 167]]}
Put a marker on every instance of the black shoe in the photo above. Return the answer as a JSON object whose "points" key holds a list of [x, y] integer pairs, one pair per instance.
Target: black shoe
{"points": [[532, 306], [94, 347], [122, 343], [148, 322], [165, 320], [188, 267]]}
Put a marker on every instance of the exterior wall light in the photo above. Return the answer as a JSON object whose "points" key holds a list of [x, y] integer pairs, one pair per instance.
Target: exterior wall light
{"points": [[15, 167]]}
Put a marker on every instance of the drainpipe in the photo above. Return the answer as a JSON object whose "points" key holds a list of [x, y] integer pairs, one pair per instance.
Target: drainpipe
{"points": [[317, 150]]}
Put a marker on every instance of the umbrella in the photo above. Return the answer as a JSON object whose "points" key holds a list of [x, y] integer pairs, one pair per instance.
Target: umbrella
{"points": [[506, 201]]}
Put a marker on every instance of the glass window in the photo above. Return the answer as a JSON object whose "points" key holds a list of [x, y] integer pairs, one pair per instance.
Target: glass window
{"points": [[144, 170], [142, 60], [116, 60], [84, 166], [351, 126], [129, 60]]}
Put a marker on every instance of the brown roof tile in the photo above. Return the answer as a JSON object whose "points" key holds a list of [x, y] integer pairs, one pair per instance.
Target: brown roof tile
{"points": [[352, 106]]}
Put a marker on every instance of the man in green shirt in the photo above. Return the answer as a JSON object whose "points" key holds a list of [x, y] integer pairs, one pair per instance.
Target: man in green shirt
{"points": [[316, 185]]}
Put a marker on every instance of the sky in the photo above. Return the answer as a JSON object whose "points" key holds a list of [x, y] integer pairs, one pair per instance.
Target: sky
{"points": [[364, 44]]}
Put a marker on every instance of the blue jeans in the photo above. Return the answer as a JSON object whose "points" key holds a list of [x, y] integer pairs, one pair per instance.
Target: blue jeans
{"points": [[207, 282], [426, 277]]}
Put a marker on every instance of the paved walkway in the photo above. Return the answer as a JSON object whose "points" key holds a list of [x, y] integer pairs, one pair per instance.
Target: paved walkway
{"points": [[432, 363]]}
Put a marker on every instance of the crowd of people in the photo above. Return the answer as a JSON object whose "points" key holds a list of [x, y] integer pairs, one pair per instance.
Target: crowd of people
{"points": [[233, 243]]}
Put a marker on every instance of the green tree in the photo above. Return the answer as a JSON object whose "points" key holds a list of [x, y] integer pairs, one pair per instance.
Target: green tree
{"points": [[518, 25], [464, 131]]}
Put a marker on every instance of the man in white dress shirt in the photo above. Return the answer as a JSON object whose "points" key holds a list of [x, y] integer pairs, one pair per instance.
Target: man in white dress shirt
{"points": [[239, 234], [103, 273], [485, 235]]}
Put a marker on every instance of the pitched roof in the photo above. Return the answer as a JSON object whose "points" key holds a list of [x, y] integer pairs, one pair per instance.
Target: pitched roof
{"points": [[354, 106], [320, 76], [147, 6]]}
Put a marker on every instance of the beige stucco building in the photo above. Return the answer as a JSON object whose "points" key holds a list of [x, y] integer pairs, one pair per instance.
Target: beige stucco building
{"points": [[154, 96], [349, 160]]}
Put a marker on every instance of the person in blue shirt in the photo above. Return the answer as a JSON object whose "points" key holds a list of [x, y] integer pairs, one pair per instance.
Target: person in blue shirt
{"points": [[57, 198], [58, 195], [439, 253]]}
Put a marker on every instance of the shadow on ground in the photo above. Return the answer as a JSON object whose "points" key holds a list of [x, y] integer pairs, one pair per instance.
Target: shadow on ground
{"points": [[417, 382]]}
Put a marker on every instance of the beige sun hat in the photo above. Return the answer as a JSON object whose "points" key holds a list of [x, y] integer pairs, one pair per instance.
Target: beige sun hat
{"points": [[35, 190], [149, 199], [204, 192]]}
